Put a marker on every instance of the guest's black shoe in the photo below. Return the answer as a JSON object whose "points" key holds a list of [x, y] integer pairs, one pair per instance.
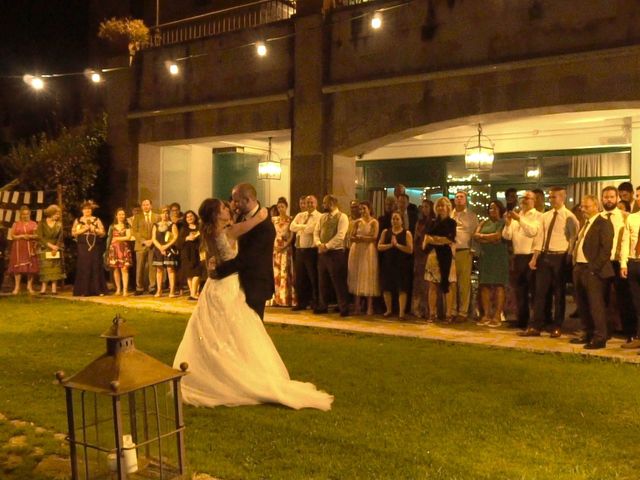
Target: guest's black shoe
{"points": [[555, 333], [138, 293], [575, 315], [152, 291], [320, 311], [595, 345], [298, 308], [530, 332], [632, 342], [580, 340], [344, 313]]}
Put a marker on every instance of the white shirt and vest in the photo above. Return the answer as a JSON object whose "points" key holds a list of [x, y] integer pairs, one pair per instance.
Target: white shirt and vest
{"points": [[331, 230], [618, 219], [303, 225], [629, 249], [560, 238], [522, 233]]}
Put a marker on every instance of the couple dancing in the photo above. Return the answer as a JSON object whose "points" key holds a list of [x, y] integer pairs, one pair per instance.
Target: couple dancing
{"points": [[232, 360]]}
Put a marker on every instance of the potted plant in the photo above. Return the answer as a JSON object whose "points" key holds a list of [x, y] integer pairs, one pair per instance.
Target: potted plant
{"points": [[126, 32]]}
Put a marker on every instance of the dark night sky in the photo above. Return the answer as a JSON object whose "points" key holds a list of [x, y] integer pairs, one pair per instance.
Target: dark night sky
{"points": [[44, 37]]}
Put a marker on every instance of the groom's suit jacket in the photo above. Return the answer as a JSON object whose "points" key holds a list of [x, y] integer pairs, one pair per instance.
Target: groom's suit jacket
{"points": [[254, 262]]}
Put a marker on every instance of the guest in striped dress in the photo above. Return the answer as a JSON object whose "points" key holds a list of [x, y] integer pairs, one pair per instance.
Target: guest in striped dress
{"points": [[50, 237]]}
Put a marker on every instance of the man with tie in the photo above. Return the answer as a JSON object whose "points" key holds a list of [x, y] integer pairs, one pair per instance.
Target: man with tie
{"points": [[141, 229], [591, 271], [306, 259], [551, 248], [328, 237], [625, 311], [630, 269]]}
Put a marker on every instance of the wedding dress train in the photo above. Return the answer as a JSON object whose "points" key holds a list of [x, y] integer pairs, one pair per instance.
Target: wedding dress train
{"points": [[232, 360]]}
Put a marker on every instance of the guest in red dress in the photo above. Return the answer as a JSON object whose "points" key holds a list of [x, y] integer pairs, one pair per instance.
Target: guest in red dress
{"points": [[23, 259]]}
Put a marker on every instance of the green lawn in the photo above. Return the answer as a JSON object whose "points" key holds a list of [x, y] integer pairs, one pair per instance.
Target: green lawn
{"points": [[404, 408]]}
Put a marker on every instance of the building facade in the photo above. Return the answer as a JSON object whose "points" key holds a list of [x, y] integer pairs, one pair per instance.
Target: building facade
{"points": [[352, 109]]}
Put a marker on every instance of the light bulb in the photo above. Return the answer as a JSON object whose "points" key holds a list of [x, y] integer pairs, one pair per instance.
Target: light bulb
{"points": [[261, 49], [96, 77], [376, 21]]}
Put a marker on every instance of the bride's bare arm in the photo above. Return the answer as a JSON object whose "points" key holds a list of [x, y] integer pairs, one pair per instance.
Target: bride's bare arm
{"points": [[237, 229]]}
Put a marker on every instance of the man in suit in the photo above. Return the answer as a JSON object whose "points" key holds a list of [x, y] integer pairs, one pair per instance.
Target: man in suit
{"points": [[254, 262], [141, 229], [409, 215], [591, 271]]}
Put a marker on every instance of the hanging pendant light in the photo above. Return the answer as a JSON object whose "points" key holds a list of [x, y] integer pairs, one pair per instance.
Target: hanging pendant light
{"points": [[269, 169], [478, 156]]}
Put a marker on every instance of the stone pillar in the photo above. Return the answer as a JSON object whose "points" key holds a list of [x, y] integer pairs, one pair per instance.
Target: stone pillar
{"points": [[310, 168], [123, 169], [343, 185], [635, 151]]}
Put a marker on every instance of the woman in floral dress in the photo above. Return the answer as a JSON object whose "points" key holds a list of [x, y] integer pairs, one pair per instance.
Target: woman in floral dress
{"points": [[119, 251], [51, 246], [23, 259], [284, 295]]}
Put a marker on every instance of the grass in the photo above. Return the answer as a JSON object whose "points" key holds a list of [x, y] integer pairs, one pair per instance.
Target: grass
{"points": [[404, 408]]}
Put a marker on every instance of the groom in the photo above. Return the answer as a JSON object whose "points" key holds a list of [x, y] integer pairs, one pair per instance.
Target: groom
{"points": [[254, 261]]}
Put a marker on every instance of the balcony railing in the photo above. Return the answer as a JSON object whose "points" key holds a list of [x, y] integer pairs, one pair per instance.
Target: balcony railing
{"points": [[222, 21]]}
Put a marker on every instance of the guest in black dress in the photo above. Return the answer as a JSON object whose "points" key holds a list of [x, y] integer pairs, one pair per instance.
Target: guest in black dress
{"points": [[396, 245], [164, 235], [440, 270], [89, 232], [189, 246]]}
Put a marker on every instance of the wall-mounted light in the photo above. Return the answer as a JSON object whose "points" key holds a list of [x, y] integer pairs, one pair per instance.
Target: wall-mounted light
{"points": [[261, 49], [376, 21]]}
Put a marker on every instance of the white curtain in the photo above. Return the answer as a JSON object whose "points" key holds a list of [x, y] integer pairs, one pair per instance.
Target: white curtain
{"points": [[377, 198], [596, 165]]}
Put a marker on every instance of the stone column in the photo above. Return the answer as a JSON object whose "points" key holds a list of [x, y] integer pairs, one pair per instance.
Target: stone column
{"points": [[635, 151], [310, 167]]}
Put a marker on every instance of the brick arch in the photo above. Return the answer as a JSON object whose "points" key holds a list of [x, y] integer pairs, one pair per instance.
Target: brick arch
{"points": [[366, 118]]}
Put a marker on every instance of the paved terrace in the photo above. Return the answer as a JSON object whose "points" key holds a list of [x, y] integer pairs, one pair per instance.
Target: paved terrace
{"points": [[503, 337]]}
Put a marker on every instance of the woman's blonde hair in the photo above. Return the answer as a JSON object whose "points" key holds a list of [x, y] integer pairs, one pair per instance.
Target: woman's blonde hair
{"points": [[51, 210], [444, 200]]}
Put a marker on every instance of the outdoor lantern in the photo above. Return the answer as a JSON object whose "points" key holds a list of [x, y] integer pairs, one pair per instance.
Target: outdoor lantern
{"points": [[124, 412], [269, 169], [478, 156]]}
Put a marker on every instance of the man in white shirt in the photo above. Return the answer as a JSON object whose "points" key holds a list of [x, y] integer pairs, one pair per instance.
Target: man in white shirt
{"points": [[328, 236], [521, 227], [551, 247], [618, 218], [630, 269], [306, 260], [466, 222]]}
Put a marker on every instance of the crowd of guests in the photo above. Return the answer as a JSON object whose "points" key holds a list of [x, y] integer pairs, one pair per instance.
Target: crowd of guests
{"points": [[412, 259]]}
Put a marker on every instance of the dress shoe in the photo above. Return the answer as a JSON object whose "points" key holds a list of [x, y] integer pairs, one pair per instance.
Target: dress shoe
{"points": [[580, 340], [575, 315], [530, 332], [138, 293], [320, 311], [344, 313], [633, 342], [595, 345], [555, 333], [298, 308]]}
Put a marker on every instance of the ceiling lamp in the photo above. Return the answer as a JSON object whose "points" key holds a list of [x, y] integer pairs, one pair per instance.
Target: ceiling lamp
{"points": [[269, 169], [478, 156], [532, 169]]}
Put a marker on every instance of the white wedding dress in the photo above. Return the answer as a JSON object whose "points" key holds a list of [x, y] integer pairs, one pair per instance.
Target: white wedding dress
{"points": [[232, 360]]}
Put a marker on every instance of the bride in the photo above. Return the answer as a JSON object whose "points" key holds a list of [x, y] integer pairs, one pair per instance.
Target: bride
{"points": [[232, 360]]}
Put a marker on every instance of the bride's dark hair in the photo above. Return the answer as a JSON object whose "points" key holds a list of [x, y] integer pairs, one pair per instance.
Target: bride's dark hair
{"points": [[209, 212]]}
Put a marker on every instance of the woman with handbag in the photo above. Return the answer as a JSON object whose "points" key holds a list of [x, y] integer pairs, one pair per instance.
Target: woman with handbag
{"points": [[50, 237], [164, 235]]}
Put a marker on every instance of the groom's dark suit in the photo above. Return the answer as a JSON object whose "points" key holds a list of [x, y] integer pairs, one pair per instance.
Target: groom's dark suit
{"points": [[254, 263]]}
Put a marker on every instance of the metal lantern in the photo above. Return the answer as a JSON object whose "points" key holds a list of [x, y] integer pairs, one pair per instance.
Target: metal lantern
{"points": [[124, 412], [478, 154]]}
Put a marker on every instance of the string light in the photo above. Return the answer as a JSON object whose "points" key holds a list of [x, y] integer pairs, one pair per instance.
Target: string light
{"points": [[96, 77], [261, 49], [173, 68], [376, 21], [34, 82]]}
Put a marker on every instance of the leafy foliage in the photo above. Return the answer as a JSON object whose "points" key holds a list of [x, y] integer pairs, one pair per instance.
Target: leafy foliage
{"points": [[126, 31]]}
